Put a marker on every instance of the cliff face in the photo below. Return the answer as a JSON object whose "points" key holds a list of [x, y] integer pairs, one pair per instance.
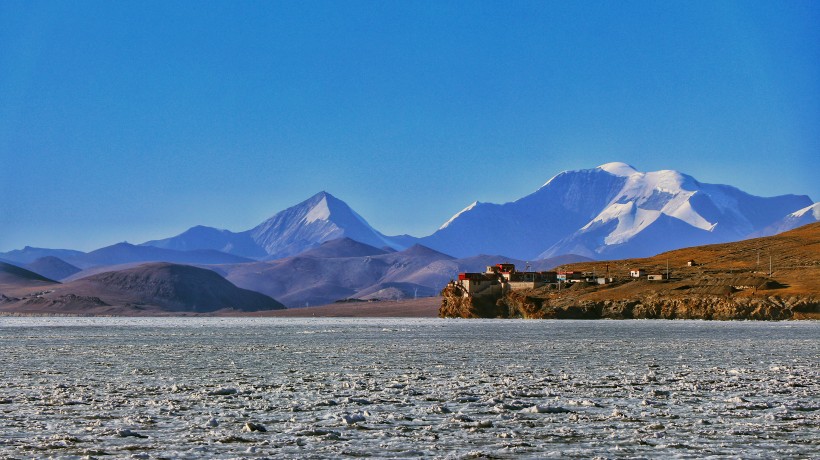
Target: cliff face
{"points": [[708, 307], [771, 278], [455, 305]]}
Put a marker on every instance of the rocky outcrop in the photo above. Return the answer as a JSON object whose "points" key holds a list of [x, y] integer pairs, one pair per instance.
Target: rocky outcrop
{"points": [[456, 305], [517, 304]]}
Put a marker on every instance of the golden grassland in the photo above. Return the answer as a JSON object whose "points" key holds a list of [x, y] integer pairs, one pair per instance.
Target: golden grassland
{"points": [[794, 257]]}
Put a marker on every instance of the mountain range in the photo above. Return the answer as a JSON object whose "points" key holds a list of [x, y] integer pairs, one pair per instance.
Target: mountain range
{"points": [[612, 211], [320, 218], [346, 269], [321, 250], [609, 211]]}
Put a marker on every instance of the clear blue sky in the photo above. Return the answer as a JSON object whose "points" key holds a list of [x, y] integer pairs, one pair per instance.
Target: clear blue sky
{"points": [[136, 120]]}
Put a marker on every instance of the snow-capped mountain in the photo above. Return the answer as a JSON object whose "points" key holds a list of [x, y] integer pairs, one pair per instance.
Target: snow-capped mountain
{"points": [[306, 225], [611, 211], [606, 212], [799, 218], [320, 218]]}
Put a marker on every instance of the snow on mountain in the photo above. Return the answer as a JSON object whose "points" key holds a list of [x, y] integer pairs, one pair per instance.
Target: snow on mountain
{"points": [[613, 210], [523, 228], [793, 220], [306, 225], [458, 214], [809, 212], [320, 218], [618, 169]]}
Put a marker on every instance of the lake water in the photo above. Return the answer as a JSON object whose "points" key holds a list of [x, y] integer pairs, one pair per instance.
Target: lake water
{"points": [[206, 387]]}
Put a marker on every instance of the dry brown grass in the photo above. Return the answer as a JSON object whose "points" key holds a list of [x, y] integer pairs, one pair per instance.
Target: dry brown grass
{"points": [[795, 261]]}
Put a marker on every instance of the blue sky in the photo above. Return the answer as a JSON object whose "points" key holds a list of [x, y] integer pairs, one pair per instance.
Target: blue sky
{"points": [[136, 120]]}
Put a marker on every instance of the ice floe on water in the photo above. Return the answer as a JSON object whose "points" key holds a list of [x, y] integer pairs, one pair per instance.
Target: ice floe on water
{"points": [[399, 388]]}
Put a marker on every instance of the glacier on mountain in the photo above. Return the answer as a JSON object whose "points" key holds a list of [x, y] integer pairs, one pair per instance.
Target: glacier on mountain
{"points": [[610, 211], [613, 210], [306, 225]]}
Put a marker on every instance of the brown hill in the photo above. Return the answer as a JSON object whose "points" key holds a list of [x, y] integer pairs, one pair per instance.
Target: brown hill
{"points": [[155, 287], [725, 281], [794, 255], [52, 267], [13, 277]]}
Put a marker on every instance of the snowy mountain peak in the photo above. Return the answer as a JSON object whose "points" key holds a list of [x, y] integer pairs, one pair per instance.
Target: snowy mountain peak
{"points": [[306, 225], [609, 211], [804, 216], [813, 211], [612, 210], [319, 211], [617, 168], [471, 206]]}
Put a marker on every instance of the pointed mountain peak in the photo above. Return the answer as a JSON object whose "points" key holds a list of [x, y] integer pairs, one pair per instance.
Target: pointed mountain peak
{"points": [[421, 250], [321, 205], [342, 247], [618, 168], [321, 196], [320, 218]]}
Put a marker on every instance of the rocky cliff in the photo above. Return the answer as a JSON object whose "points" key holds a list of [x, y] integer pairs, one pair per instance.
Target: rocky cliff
{"points": [[707, 307], [771, 278]]}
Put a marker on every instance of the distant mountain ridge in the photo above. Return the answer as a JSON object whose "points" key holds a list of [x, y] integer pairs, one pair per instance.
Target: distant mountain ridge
{"points": [[298, 228], [345, 269], [14, 276], [612, 211], [799, 218], [52, 267], [175, 287], [116, 254]]}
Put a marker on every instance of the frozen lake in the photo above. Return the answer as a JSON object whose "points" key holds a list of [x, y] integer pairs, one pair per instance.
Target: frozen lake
{"points": [[207, 387]]}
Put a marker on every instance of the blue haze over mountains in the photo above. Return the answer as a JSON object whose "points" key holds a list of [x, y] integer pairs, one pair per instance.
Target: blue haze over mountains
{"points": [[320, 251], [612, 211]]}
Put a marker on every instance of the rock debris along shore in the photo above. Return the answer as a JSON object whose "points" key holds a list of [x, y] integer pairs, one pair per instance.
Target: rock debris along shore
{"points": [[707, 307]]}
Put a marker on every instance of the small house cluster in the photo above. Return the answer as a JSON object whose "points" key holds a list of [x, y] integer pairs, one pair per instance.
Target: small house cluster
{"points": [[582, 277], [640, 273], [501, 278]]}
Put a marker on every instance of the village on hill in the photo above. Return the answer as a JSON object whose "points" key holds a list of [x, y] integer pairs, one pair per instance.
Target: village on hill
{"points": [[765, 278]]}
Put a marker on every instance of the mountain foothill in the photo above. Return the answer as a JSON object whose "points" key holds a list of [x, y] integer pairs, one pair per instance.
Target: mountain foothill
{"points": [[321, 251]]}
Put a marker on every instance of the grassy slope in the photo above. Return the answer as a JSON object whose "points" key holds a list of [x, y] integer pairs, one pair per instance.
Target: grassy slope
{"points": [[795, 257]]}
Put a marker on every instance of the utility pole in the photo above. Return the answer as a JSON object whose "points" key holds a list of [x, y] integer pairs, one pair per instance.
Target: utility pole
{"points": [[667, 269], [770, 266]]}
